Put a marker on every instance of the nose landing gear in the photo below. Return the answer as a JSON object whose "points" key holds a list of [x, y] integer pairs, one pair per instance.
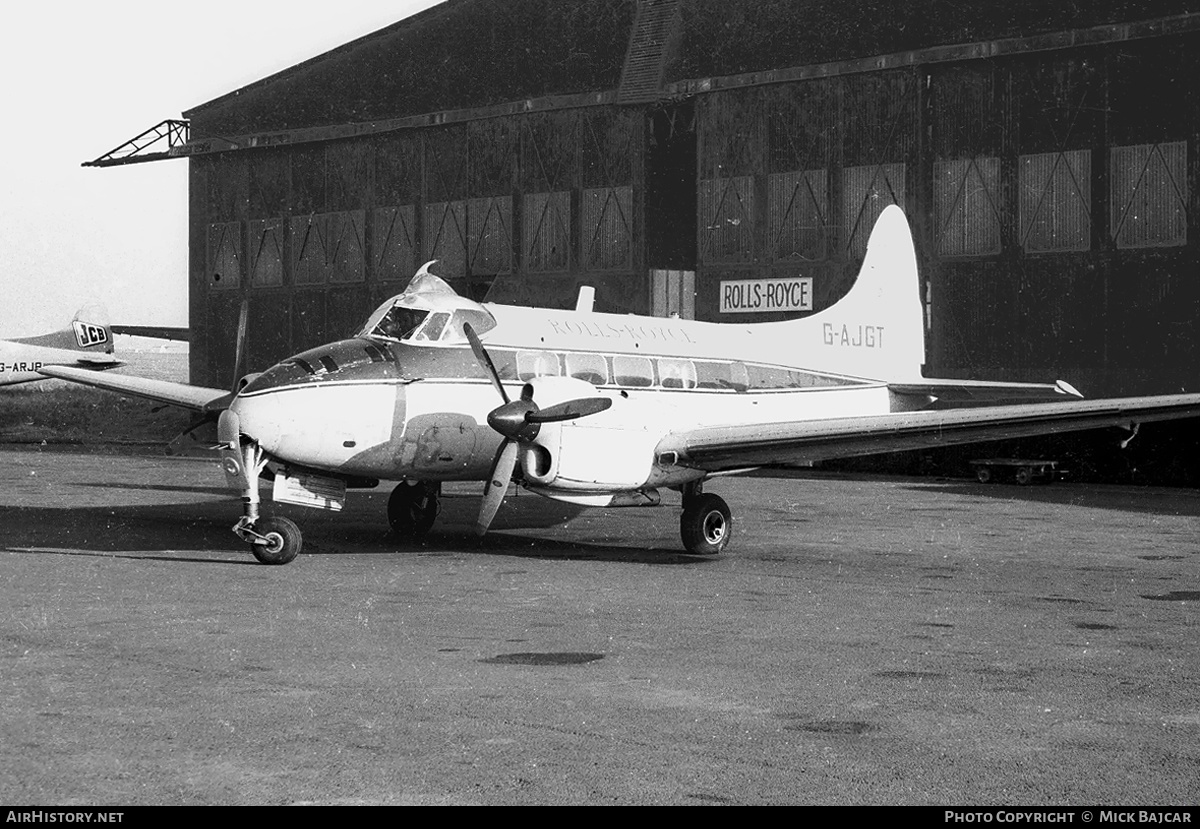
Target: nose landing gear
{"points": [[274, 540]]}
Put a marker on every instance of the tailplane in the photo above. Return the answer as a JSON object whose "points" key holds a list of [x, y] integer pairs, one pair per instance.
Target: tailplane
{"points": [[877, 331]]}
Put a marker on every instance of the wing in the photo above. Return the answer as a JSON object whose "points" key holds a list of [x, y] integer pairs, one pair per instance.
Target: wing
{"points": [[720, 448], [199, 398]]}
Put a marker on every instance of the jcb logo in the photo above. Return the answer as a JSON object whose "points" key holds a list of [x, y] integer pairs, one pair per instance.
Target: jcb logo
{"points": [[89, 335]]}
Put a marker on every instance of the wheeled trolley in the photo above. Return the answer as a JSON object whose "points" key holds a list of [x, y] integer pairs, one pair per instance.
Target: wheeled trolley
{"points": [[1021, 470]]}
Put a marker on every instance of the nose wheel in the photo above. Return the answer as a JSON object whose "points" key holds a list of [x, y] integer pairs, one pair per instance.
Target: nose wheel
{"points": [[275, 540], [706, 524]]}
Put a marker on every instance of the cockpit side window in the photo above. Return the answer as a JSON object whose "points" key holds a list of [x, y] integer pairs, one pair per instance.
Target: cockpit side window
{"points": [[433, 328], [481, 321], [399, 323]]}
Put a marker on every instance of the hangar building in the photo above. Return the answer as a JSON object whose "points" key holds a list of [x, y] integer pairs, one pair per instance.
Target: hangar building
{"points": [[663, 150]]}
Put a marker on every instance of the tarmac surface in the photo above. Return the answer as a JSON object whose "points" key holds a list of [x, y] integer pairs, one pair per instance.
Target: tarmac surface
{"points": [[863, 641]]}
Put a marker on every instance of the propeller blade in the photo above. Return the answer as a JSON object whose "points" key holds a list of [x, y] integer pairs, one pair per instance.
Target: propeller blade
{"points": [[497, 484], [483, 359], [239, 353], [569, 410]]}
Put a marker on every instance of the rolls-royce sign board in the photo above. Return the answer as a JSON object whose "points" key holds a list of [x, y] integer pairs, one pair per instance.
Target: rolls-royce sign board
{"points": [[760, 296]]}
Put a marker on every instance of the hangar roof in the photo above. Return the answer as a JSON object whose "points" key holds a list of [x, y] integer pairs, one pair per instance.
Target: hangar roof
{"points": [[731, 37], [469, 54], [459, 54]]}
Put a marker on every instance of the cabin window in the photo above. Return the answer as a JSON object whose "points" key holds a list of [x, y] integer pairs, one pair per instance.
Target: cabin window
{"points": [[676, 374], [723, 376], [505, 363], [633, 371], [775, 377], [532, 364], [592, 368]]}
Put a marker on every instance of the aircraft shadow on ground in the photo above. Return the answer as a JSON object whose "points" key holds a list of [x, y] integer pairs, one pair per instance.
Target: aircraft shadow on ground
{"points": [[199, 490], [125, 531], [156, 532], [1155, 501]]}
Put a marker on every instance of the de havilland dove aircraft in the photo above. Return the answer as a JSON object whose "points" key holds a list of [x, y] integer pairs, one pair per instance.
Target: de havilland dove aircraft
{"points": [[602, 409], [86, 342]]}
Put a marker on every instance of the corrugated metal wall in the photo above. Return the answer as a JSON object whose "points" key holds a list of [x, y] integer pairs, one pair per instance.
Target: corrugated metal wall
{"points": [[516, 209], [1063, 243], [792, 177], [1051, 195]]}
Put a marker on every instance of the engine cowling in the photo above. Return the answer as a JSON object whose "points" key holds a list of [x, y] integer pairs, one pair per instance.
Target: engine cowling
{"points": [[610, 450]]}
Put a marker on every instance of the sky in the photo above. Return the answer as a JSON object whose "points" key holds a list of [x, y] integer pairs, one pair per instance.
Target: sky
{"points": [[80, 79]]}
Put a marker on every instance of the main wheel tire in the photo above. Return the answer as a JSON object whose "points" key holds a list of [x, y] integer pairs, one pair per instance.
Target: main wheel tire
{"points": [[984, 474], [413, 508], [284, 541], [706, 525], [1024, 476]]}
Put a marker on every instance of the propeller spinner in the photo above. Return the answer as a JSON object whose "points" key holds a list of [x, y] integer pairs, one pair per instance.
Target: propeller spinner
{"points": [[518, 421]]}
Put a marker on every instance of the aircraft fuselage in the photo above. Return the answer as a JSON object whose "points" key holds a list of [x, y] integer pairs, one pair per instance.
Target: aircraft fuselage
{"points": [[391, 410], [19, 362]]}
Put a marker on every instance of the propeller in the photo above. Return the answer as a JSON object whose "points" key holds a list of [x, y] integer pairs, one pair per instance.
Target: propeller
{"points": [[239, 352], [214, 408], [518, 421]]}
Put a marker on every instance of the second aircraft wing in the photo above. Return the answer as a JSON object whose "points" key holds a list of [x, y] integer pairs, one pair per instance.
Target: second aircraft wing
{"points": [[198, 398]]}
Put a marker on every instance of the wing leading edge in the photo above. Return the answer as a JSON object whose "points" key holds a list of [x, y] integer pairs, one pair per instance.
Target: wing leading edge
{"points": [[197, 398], [721, 448]]}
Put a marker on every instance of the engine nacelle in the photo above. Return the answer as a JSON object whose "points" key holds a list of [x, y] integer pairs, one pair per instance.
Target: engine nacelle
{"points": [[610, 450]]}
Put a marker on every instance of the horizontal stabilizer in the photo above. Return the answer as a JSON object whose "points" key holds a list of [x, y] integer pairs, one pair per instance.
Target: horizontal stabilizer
{"points": [[98, 361], [158, 332], [983, 392]]}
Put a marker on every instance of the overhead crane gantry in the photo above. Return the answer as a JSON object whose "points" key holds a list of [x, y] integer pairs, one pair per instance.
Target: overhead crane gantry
{"points": [[152, 145]]}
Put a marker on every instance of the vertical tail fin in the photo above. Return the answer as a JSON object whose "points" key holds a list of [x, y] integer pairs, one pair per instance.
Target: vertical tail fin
{"points": [[877, 331], [92, 331]]}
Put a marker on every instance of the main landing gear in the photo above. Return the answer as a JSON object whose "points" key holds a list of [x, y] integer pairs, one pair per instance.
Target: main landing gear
{"points": [[413, 507], [706, 523]]}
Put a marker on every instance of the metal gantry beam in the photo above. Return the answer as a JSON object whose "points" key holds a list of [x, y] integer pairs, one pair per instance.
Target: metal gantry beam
{"points": [[152, 145]]}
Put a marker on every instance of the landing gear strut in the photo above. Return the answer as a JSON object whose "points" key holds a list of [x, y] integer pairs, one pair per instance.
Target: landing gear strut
{"points": [[706, 523], [413, 507], [271, 540]]}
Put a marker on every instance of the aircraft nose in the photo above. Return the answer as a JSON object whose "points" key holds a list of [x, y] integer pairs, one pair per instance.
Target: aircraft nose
{"points": [[287, 373]]}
